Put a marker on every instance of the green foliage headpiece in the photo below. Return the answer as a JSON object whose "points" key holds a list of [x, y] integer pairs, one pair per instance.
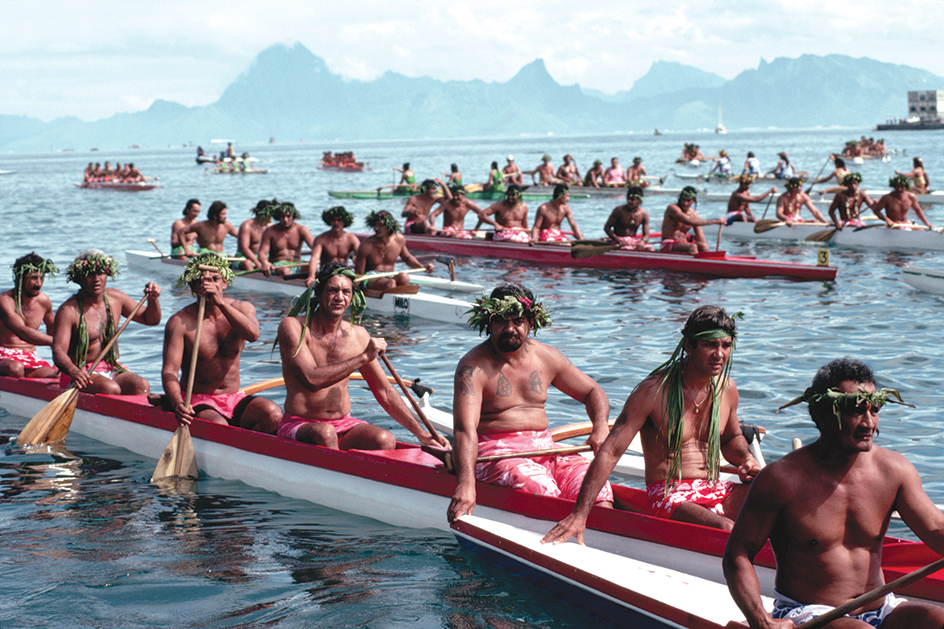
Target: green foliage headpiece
{"points": [[848, 179], [193, 272], [793, 183], [281, 209], [91, 262], [841, 401], [385, 218], [337, 212], [514, 305], [688, 192], [307, 302], [899, 181], [23, 267]]}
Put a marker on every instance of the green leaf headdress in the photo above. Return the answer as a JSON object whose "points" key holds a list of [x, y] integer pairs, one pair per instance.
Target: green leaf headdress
{"points": [[514, 305], [278, 210], [840, 400], [307, 302], [91, 262], [193, 272], [384, 217], [23, 267], [899, 181], [672, 387], [337, 212], [263, 209], [848, 179]]}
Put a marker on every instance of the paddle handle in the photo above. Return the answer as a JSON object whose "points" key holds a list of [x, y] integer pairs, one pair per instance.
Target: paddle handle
{"points": [[282, 266], [373, 276], [718, 244], [767, 207], [533, 453], [154, 243], [877, 593], [201, 308], [409, 396], [114, 339], [273, 383]]}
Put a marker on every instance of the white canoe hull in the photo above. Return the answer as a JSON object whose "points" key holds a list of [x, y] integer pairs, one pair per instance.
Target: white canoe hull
{"points": [[936, 197], [928, 280], [877, 237]]}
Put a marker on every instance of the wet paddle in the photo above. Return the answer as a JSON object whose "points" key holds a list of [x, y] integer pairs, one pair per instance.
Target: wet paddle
{"points": [[53, 421], [766, 224], [824, 235], [590, 249], [877, 593], [406, 392], [178, 459]]}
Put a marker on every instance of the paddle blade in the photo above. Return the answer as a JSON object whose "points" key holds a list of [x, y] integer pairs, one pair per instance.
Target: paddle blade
{"points": [[585, 250], [52, 422], [766, 224], [178, 459], [821, 236]]}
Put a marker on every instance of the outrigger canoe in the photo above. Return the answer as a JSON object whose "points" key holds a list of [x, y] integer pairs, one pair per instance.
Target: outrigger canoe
{"points": [[531, 193], [425, 305], [936, 197], [711, 263], [928, 280], [131, 186], [343, 168], [875, 235], [407, 487]]}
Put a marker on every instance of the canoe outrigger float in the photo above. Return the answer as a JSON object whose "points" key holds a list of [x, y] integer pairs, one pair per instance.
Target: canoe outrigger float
{"points": [[398, 304], [407, 487], [710, 263]]}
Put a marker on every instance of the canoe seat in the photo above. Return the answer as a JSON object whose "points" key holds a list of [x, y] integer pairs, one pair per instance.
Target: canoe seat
{"points": [[406, 289]]}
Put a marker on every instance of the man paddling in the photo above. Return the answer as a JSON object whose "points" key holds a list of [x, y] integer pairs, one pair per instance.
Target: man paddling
{"points": [[334, 245], [319, 352], [685, 413], [511, 173], [89, 319], [739, 203], [282, 242], [568, 172], [227, 325], [594, 176], [250, 234], [511, 217], [550, 216], [23, 309], [380, 252], [636, 174], [848, 203], [681, 216], [628, 224], [793, 200], [454, 211], [897, 203], [417, 208], [499, 404], [212, 232], [825, 509], [545, 172], [181, 238]]}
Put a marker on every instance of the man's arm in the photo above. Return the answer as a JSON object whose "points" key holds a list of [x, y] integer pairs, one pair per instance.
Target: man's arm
{"points": [[833, 209], [170, 370], [264, 245], [300, 362], [15, 322], [734, 446], [538, 223], [916, 508], [808, 202], [919, 211], [411, 261], [394, 405], [878, 207], [307, 236], [231, 229], [466, 412], [151, 315], [61, 341], [573, 224], [314, 262], [609, 228], [244, 245], [581, 387]]}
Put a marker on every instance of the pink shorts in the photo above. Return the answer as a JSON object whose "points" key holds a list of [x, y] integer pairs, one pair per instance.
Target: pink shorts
{"points": [[224, 403], [552, 235], [707, 493], [455, 232], [854, 222], [290, 424], [515, 234], [558, 476], [103, 369], [795, 219], [28, 358]]}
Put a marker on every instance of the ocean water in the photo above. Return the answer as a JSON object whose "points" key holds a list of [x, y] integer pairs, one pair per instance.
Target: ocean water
{"points": [[87, 541]]}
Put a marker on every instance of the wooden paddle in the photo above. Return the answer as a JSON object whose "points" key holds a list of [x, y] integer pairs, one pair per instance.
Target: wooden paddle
{"points": [[373, 276], [590, 249], [290, 265], [533, 453], [877, 593], [824, 235], [53, 421], [718, 244], [406, 392], [818, 174], [178, 459], [154, 243], [272, 383], [766, 224], [767, 207]]}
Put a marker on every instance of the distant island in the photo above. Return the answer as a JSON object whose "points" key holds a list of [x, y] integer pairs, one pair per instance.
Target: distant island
{"points": [[291, 94]]}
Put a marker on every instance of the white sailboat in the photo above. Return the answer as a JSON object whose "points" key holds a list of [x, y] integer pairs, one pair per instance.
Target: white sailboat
{"points": [[720, 129]]}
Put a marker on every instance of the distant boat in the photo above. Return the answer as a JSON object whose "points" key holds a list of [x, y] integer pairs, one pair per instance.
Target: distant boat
{"points": [[658, 132], [720, 129]]}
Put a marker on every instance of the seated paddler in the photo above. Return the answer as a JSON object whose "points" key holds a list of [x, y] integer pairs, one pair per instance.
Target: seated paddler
{"points": [[23, 310], [685, 412], [89, 319], [228, 324], [499, 402], [320, 350]]}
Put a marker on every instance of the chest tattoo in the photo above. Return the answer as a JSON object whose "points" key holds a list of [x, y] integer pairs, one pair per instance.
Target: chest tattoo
{"points": [[503, 389], [535, 383]]}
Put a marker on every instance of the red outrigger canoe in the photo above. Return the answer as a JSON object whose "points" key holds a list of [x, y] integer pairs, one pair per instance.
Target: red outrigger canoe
{"points": [[407, 487], [711, 263]]}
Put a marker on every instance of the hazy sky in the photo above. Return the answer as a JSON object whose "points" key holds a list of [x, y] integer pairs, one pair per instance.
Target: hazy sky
{"points": [[93, 59]]}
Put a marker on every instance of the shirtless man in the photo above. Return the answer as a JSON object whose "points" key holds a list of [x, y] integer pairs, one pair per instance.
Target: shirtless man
{"points": [[212, 232], [739, 203], [250, 234], [181, 238], [380, 252], [334, 245], [825, 509], [635, 174], [23, 309], [319, 352], [282, 242], [594, 176], [897, 203], [615, 176], [545, 172], [550, 216], [511, 217], [682, 451], [454, 210], [133, 174], [848, 203], [93, 313], [681, 216], [626, 221], [791, 201], [227, 325], [499, 398], [511, 173], [568, 172], [417, 208]]}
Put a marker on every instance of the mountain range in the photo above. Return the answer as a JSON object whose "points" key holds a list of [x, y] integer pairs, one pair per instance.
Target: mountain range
{"points": [[290, 94]]}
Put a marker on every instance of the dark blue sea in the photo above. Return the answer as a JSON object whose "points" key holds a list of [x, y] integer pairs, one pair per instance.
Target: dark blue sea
{"points": [[86, 541]]}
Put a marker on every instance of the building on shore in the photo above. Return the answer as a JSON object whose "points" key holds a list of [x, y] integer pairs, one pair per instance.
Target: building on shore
{"points": [[925, 109]]}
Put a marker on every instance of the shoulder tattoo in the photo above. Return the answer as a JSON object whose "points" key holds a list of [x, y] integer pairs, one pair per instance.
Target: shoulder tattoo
{"points": [[503, 389], [464, 381]]}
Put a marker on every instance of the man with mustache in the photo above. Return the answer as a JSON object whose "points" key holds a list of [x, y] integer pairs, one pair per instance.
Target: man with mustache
{"points": [[498, 405]]}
